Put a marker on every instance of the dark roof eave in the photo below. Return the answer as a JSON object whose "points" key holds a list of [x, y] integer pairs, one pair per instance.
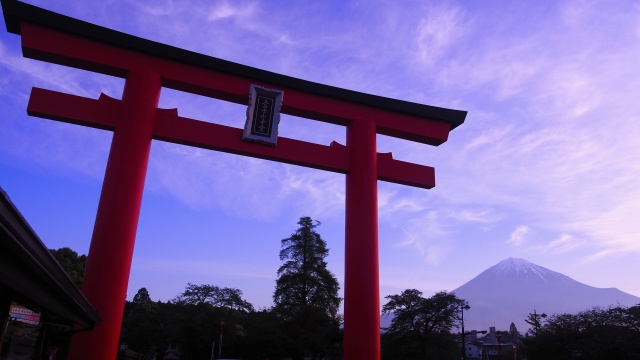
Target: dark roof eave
{"points": [[15, 12], [31, 273]]}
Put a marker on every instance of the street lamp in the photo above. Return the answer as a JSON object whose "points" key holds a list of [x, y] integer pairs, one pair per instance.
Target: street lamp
{"points": [[499, 337], [463, 306]]}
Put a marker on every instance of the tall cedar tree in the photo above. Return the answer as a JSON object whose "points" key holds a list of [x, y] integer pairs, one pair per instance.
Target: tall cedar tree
{"points": [[303, 279]]}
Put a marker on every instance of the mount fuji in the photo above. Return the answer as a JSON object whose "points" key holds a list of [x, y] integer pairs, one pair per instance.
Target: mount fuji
{"points": [[512, 289]]}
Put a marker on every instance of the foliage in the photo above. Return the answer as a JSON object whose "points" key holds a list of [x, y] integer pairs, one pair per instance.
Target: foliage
{"points": [[513, 334], [420, 326], [151, 326], [142, 322], [303, 278], [535, 320], [73, 264], [611, 333], [442, 346], [142, 296], [214, 296], [265, 336], [303, 325], [306, 293]]}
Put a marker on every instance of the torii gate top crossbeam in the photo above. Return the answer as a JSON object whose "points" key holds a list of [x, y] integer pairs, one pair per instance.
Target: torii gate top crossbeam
{"points": [[204, 75], [56, 38]]}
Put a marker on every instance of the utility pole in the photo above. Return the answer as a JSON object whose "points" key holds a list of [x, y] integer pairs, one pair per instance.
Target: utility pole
{"points": [[463, 307]]}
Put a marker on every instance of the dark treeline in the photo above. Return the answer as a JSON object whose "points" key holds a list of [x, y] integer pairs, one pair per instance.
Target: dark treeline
{"points": [[207, 321], [193, 323], [596, 334]]}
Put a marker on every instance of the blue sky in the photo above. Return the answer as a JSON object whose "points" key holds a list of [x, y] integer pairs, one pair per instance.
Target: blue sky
{"points": [[545, 168]]}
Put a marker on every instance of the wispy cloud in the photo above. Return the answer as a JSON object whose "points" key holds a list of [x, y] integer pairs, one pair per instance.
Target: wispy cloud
{"points": [[432, 233], [50, 76], [637, 14], [563, 151], [484, 215], [615, 229], [227, 10], [156, 8], [564, 244], [438, 31], [243, 187], [189, 266], [390, 202], [427, 235], [519, 235]]}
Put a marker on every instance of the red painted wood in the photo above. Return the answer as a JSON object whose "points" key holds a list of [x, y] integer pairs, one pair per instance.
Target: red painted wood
{"points": [[361, 284], [52, 46], [137, 120], [109, 260], [101, 114], [405, 173], [170, 127], [180, 130]]}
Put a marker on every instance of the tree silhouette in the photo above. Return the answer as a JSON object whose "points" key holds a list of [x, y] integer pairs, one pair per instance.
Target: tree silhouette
{"points": [[73, 264], [420, 325], [215, 296], [303, 279], [534, 319], [306, 294], [611, 333]]}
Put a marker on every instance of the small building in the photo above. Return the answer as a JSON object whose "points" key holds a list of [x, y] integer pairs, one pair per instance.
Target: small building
{"points": [[496, 346], [473, 350], [40, 306], [472, 346]]}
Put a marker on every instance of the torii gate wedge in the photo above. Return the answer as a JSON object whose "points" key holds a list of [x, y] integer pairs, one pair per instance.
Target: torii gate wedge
{"points": [[148, 66]]}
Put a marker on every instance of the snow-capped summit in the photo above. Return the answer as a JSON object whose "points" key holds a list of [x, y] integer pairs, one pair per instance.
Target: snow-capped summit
{"points": [[508, 291], [518, 271], [517, 265]]}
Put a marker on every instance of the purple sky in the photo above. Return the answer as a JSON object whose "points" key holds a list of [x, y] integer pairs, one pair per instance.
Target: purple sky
{"points": [[545, 168]]}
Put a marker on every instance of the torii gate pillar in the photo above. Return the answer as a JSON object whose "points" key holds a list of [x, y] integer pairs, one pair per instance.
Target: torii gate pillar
{"points": [[107, 274], [361, 288]]}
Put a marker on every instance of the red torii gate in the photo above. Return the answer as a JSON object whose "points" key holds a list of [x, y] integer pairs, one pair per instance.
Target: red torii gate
{"points": [[148, 66]]}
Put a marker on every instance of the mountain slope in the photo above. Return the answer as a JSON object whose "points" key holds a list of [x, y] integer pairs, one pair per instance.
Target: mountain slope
{"points": [[513, 288]]}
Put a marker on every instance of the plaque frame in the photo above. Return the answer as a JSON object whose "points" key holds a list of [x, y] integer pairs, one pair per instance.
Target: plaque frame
{"points": [[263, 115]]}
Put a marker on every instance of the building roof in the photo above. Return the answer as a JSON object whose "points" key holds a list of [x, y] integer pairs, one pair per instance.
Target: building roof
{"points": [[30, 275]]}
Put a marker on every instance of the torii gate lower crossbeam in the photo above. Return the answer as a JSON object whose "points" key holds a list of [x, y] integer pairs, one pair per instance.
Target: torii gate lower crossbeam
{"points": [[136, 121]]}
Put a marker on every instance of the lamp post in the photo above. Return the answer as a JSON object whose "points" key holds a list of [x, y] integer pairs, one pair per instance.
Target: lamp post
{"points": [[463, 306], [499, 337], [220, 340]]}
